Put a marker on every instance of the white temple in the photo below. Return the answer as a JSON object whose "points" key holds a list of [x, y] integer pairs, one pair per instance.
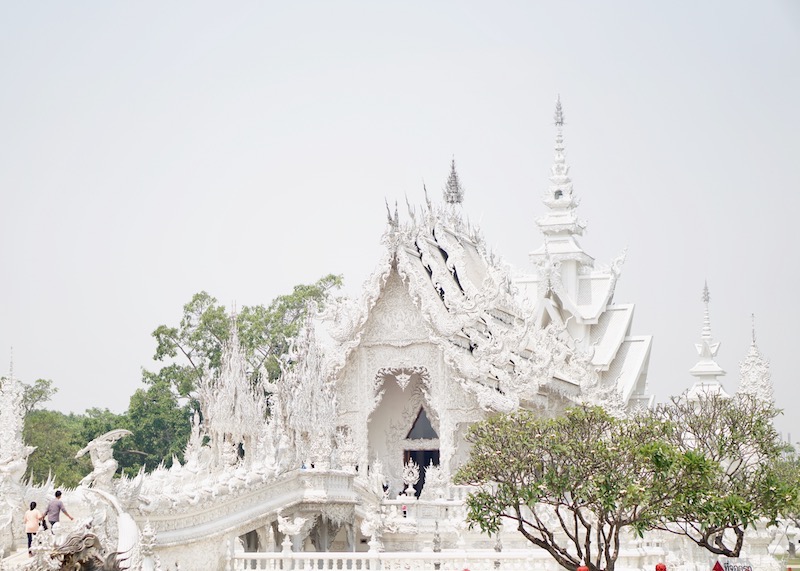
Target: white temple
{"points": [[367, 424]]}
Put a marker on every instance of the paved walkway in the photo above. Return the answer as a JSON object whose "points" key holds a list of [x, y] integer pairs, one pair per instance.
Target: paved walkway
{"points": [[17, 559]]}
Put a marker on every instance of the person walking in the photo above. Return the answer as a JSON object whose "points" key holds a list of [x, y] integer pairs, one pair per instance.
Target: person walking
{"points": [[32, 519], [54, 509]]}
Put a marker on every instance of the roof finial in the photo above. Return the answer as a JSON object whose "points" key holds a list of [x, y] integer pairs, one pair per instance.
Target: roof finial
{"points": [[707, 315], [559, 116], [11, 364], [753, 320], [453, 193]]}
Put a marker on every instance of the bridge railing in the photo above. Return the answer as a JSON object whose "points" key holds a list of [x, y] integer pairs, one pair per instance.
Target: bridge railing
{"points": [[483, 560]]}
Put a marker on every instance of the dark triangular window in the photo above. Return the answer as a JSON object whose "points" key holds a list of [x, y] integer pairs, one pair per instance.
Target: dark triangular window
{"points": [[422, 429]]}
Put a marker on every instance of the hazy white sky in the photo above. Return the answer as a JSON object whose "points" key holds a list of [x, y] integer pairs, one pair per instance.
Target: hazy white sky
{"points": [[150, 150]]}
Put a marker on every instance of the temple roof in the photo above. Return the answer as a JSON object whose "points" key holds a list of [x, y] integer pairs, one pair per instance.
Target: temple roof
{"points": [[506, 350], [465, 296]]}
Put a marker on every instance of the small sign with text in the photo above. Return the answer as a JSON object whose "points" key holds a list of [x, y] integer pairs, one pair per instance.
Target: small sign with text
{"points": [[731, 564]]}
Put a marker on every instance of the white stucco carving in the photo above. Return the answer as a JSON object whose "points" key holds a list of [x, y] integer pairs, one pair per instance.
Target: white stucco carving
{"points": [[755, 378], [102, 454]]}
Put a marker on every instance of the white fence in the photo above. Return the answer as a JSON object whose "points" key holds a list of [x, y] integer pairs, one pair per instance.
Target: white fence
{"points": [[396, 561]]}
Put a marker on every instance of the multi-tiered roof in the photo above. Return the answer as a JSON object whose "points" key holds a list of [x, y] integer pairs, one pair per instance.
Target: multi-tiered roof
{"points": [[568, 288]]}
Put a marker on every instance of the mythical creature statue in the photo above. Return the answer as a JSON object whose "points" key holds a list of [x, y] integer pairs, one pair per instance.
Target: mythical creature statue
{"points": [[102, 455], [81, 551], [13, 459]]}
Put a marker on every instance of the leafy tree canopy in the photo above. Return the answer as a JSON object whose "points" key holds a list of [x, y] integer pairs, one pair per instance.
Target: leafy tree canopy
{"points": [[194, 346], [36, 394], [160, 425], [573, 484], [788, 472], [41, 391], [736, 434], [57, 438]]}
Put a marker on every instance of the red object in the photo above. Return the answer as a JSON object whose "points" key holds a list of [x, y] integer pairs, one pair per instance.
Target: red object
{"points": [[582, 568], [661, 567]]}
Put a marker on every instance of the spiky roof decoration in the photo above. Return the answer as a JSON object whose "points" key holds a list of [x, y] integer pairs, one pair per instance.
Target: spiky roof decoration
{"points": [[466, 298]]}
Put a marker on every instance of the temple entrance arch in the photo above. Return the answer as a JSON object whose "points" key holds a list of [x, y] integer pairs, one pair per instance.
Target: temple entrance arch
{"points": [[421, 446], [401, 421]]}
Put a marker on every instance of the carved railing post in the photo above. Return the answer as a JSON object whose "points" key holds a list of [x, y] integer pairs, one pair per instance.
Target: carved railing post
{"points": [[229, 557]]}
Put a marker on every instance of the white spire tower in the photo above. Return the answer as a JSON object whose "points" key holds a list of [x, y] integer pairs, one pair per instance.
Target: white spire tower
{"points": [[560, 225], [706, 370], [568, 290], [755, 378]]}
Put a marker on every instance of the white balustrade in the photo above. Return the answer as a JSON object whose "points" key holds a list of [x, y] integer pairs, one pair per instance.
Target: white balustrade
{"points": [[483, 560]]}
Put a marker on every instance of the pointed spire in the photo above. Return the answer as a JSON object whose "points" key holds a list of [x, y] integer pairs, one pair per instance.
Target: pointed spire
{"points": [[453, 193], [753, 325], [559, 197], [706, 333], [388, 210], [560, 225], [393, 219], [427, 198], [706, 370], [412, 213]]}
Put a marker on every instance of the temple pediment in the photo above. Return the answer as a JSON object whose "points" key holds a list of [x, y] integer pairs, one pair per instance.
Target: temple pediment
{"points": [[395, 319]]}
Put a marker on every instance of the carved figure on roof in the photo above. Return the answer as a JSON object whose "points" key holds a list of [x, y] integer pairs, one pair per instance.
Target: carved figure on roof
{"points": [[102, 454], [197, 455]]}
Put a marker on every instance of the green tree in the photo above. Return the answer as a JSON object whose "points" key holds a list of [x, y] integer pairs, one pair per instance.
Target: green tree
{"points": [[98, 421], [33, 395], [195, 345], [788, 470], [57, 438], [573, 484], [272, 329], [160, 427], [41, 391], [750, 484], [159, 415]]}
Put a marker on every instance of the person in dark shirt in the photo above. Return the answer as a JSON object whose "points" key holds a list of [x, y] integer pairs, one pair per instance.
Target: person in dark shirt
{"points": [[53, 512]]}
